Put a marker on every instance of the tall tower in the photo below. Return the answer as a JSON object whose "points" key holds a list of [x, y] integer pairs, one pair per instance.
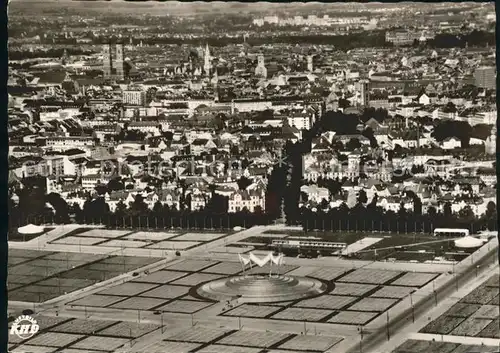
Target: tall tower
{"points": [[261, 70], [65, 57], [107, 60], [364, 92], [208, 61], [310, 66], [118, 64]]}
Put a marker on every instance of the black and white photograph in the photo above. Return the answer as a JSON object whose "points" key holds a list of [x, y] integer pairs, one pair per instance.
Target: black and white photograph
{"points": [[264, 177]]}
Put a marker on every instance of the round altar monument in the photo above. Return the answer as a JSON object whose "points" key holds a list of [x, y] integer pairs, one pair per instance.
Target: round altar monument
{"points": [[259, 287]]}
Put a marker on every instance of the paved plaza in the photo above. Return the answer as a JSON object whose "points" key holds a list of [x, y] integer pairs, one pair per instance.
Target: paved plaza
{"points": [[98, 310]]}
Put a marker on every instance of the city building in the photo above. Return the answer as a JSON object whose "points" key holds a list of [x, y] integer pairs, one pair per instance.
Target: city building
{"points": [[485, 77], [400, 37], [134, 96], [113, 63]]}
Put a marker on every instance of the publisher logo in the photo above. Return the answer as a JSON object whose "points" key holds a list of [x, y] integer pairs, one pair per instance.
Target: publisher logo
{"points": [[24, 327]]}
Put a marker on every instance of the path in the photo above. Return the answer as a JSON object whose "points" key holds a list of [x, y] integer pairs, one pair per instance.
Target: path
{"points": [[456, 339]]}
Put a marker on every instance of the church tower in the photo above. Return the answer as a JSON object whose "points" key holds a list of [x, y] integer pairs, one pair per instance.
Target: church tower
{"points": [[261, 70], [64, 59], [310, 66], [118, 63], [208, 61]]}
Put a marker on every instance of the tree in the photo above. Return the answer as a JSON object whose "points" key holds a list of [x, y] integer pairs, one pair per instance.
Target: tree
{"points": [[343, 209], [373, 202], [362, 198], [31, 202], [466, 214], [151, 94], [417, 203], [344, 103], [481, 131], [169, 135], [447, 209], [452, 128], [60, 206], [353, 144], [491, 210], [182, 202], [77, 211], [431, 212], [369, 134], [138, 207], [101, 189], [243, 183], [417, 206], [402, 213], [115, 184], [120, 209], [158, 207]]}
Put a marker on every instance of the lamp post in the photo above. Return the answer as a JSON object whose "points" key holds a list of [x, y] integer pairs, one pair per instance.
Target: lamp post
{"points": [[412, 309], [435, 294], [360, 329], [387, 326]]}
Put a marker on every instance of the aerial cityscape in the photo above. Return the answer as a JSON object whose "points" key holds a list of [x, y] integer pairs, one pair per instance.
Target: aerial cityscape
{"points": [[252, 177]]}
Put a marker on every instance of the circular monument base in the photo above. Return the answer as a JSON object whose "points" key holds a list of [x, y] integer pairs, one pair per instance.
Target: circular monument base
{"points": [[262, 288]]}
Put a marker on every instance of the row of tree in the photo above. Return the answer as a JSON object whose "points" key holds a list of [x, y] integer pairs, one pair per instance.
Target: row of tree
{"points": [[477, 38], [33, 207], [203, 219], [373, 218]]}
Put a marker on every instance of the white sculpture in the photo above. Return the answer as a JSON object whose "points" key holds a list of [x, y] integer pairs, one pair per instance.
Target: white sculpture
{"points": [[269, 258]]}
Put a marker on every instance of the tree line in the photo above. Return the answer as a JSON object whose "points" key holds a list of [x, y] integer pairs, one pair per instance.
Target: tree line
{"points": [[34, 206], [373, 218]]}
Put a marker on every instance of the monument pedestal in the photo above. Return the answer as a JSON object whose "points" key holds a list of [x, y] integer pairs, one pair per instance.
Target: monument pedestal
{"points": [[262, 288]]}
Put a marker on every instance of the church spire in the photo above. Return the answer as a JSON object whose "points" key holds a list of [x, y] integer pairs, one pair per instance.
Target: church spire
{"points": [[208, 61]]}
